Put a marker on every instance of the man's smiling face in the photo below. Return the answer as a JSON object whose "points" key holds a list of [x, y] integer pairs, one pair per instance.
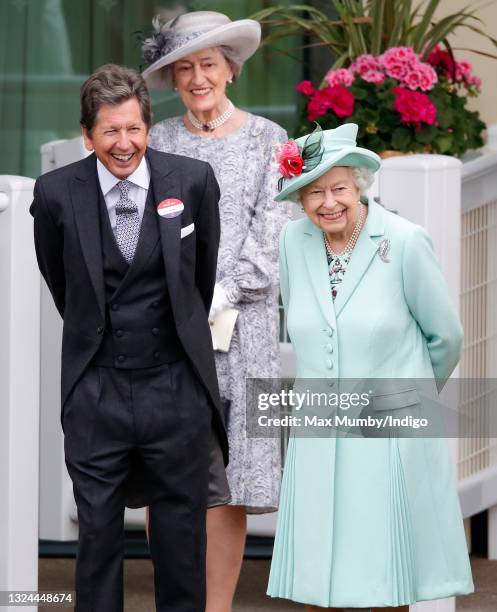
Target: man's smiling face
{"points": [[119, 137]]}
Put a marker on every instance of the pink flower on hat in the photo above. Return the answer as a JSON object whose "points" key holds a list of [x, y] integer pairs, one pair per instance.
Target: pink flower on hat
{"points": [[289, 159]]}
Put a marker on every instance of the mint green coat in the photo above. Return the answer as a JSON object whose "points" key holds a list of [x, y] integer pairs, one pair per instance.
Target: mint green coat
{"points": [[369, 522]]}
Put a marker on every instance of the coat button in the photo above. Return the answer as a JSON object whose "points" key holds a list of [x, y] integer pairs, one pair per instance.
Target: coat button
{"points": [[100, 330], [119, 333], [329, 364], [155, 304], [329, 332], [121, 358], [155, 331], [329, 348], [115, 307], [156, 355]]}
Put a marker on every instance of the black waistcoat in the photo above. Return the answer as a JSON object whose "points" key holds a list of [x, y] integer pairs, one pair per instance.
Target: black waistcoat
{"points": [[139, 330]]}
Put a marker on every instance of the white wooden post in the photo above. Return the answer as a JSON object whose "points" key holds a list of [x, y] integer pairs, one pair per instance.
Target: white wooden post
{"points": [[426, 189], [19, 386]]}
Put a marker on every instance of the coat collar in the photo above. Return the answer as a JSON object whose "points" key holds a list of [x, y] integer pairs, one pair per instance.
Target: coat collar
{"points": [[364, 252], [84, 189]]}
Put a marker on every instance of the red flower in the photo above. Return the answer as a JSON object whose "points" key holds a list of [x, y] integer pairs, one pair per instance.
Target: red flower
{"points": [[318, 105], [341, 101], [305, 87], [414, 107], [289, 159], [337, 99], [442, 60]]}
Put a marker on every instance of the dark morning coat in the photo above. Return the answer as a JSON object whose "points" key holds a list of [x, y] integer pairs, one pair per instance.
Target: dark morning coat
{"points": [[68, 247]]}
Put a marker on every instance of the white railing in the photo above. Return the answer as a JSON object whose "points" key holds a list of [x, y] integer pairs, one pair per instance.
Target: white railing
{"points": [[19, 390]]}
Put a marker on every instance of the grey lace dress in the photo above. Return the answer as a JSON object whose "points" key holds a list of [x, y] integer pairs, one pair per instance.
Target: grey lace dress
{"points": [[251, 221]]}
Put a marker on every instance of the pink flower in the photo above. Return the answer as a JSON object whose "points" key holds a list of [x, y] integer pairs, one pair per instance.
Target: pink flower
{"points": [[364, 64], [368, 68], [420, 76], [289, 159], [305, 87], [342, 76], [412, 80], [427, 76], [318, 105], [464, 71], [397, 61], [414, 107], [373, 76], [341, 100], [475, 82], [338, 99]]}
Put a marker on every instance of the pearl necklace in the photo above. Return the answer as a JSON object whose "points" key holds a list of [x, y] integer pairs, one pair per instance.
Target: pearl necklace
{"points": [[352, 240], [212, 125]]}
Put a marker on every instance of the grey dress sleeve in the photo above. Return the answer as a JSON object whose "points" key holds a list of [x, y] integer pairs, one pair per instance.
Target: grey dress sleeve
{"points": [[256, 271]]}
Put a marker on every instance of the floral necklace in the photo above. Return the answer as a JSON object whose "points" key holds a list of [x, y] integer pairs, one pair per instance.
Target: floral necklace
{"points": [[338, 262]]}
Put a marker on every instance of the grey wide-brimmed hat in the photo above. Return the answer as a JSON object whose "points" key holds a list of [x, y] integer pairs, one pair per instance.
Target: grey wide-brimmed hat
{"points": [[193, 32]]}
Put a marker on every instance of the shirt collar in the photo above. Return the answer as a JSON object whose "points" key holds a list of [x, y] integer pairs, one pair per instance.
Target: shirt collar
{"points": [[140, 177]]}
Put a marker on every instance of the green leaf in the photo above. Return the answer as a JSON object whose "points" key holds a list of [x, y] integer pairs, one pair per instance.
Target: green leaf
{"points": [[402, 12], [421, 29], [443, 143], [426, 134], [378, 9], [401, 139]]}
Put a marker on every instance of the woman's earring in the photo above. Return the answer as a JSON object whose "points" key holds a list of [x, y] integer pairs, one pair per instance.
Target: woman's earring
{"points": [[230, 81], [175, 89]]}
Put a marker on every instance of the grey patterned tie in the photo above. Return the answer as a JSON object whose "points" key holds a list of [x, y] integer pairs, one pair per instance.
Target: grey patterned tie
{"points": [[127, 223]]}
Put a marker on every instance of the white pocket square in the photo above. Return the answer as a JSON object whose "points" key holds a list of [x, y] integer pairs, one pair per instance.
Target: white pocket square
{"points": [[187, 230]]}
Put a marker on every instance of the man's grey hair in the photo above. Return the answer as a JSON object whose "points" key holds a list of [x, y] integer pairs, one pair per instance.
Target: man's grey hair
{"points": [[363, 179], [229, 54], [112, 85]]}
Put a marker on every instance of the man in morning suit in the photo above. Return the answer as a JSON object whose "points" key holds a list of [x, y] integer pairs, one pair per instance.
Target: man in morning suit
{"points": [[127, 242]]}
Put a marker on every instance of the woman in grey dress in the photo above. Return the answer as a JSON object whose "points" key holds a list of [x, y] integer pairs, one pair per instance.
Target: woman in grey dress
{"points": [[200, 54]]}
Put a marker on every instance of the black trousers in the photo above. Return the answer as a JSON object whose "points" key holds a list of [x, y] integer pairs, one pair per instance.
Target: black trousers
{"points": [[162, 416]]}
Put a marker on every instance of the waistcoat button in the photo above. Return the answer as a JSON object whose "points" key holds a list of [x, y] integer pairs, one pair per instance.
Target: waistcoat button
{"points": [[100, 330], [119, 333], [115, 307], [156, 355], [155, 331], [121, 358]]}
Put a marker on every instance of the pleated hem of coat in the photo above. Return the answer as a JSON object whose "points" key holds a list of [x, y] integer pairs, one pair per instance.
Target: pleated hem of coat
{"points": [[282, 568]]}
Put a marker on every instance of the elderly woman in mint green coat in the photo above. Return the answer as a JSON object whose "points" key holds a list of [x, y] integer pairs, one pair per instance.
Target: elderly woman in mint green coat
{"points": [[364, 522]]}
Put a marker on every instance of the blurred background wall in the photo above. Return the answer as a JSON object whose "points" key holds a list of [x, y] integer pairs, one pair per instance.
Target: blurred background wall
{"points": [[484, 67]]}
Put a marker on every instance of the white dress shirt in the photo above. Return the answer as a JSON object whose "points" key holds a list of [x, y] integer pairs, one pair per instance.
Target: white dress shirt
{"points": [[140, 181]]}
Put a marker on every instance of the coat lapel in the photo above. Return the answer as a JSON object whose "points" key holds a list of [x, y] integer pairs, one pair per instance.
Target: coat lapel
{"points": [[84, 191], [362, 256], [315, 259], [167, 184]]}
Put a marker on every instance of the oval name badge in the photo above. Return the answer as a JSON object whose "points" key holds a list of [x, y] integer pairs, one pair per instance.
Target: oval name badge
{"points": [[170, 208]]}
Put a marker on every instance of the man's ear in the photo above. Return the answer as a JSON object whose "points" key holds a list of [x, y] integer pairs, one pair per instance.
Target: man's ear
{"points": [[87, 139]]}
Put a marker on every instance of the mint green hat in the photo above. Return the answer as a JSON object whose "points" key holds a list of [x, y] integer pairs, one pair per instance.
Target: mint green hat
{"points": [[338, 148]]}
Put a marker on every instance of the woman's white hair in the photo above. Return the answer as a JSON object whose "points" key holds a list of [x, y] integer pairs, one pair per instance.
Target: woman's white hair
{"points": [[229, 54], [363, 179]]}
